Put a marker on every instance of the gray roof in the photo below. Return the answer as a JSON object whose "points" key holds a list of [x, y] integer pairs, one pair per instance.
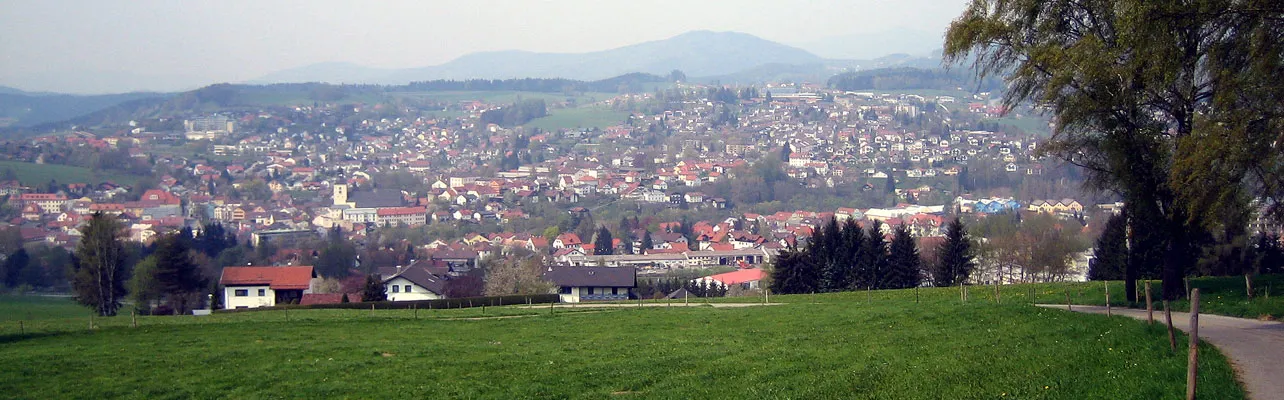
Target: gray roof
{"points": [[592, 276], [376, 199], [416, 275]]}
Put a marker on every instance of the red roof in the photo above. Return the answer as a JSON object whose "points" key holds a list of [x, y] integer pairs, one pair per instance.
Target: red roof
{"points": [[278, 278], [738, 277]]}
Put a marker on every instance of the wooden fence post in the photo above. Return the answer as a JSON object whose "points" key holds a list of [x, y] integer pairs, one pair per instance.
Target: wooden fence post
{"points": [[22, 328], [133, 319], [1107, 298], [371, 309], [1172, 337], [1187, 280], [962, 297], [1192, 363], [916, 295], [550, 307], [416, 308], [1248, 285], [996, 292], [769, 296], [1032, 299], [1150, 306], [91, 322], [483, 308], [869, 293], [1068, 306]]}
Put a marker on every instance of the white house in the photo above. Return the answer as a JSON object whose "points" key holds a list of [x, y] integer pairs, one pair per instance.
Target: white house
{"points": [[251, 287], [412, 283], [576, 284]]}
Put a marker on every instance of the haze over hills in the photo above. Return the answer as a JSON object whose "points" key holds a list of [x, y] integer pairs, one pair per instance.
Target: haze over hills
{"points": [[698, 53], [868, 46]]}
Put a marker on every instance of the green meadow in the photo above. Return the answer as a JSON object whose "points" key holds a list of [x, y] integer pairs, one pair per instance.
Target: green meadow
{"points": [[904, 344]]}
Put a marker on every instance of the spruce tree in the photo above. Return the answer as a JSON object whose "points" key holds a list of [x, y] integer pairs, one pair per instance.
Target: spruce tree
{"points": [[904, 267], [955, 256], [854, 246], [873, 259], [1110, 255], [647, 243], [603, 244], [177, 276], [793, 273], [374, 289]]}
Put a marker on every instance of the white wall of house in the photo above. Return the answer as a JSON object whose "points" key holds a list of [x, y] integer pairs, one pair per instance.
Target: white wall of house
{"points": [[254, 296], [578, 291], [396, 289]]}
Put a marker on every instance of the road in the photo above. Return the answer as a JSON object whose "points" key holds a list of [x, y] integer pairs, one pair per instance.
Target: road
{"points": [[1255, 348]]}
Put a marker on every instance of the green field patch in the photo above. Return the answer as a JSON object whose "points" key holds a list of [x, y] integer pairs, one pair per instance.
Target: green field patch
{"points": [[579, 118], [38, 175]]}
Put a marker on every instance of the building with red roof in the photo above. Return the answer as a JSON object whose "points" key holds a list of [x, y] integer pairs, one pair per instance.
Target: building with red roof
{"points": [[251, 287], [745, 278]]}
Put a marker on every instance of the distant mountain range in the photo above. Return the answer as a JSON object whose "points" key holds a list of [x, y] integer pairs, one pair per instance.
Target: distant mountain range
{"points": [[699, 53], [19, 108], [868, 46]]}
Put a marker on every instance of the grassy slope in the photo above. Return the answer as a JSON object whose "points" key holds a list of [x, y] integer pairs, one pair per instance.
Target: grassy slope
{"points": [[33, 174], [823, 346], [582, 117], [28, 308], [1218, 295]]}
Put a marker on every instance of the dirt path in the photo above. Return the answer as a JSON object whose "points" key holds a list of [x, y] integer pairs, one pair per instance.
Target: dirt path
{"points": [[1255, 348]]}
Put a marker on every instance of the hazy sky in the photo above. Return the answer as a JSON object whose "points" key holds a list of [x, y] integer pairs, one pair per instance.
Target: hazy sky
{"points": [[87, 46]]}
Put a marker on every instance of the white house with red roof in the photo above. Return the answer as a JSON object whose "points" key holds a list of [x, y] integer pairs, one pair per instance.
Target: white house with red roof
{"points": [[251, 287], [745, 278]]}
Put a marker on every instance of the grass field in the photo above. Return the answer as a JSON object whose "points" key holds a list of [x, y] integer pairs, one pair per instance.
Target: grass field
{"points": [[29, 308], [32, 174], [582, 117], [848, 345]]}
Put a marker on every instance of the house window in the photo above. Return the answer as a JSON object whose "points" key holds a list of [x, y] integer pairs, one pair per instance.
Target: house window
{"points": [[615, 290], [396, 288], [407, 288], [242, 292], [590, 290], [566, 290], [262, 292]]}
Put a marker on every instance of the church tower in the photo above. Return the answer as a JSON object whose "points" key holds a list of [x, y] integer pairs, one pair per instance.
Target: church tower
{"points": [[340, 194]]}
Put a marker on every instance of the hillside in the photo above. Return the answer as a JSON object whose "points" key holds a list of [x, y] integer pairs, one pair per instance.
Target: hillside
{"points": [[699, 53], [849, 345], [28, 109]]}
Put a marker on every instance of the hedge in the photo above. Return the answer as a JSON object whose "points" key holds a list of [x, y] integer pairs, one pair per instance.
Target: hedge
{"points": [[464, 302]]}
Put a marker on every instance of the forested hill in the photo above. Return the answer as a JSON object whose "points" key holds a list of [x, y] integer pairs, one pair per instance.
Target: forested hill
{"points": [[912, 78]]}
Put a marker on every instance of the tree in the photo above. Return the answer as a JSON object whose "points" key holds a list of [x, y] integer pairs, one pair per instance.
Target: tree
{"points": [[1110, 255], [955, 262], [98, 276], [344, 299], [144, 290], [904, 267], [337, 257], [603, 244], [517, 276], [374, 289], [13, 266], [176, 276], [793, 272], [872, 265], [785, 151], [1164, 102], [647, 242]]}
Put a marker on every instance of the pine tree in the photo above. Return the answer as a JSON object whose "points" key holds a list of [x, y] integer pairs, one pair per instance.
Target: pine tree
{"points": [[955, 256], [344, 299], [853, 245], [374, 289], [904, 267], [873, 258], [647, 243], [1110, 255], [177, 276], [603, 244], [831, 254], [793, 273], [98, 275]]}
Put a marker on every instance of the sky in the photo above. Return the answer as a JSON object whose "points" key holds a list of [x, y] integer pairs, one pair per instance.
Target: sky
{"points": [[103, 46]]}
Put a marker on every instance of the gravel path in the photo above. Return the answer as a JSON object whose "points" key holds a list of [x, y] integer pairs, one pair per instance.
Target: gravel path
{"points": [[1255, 348]]}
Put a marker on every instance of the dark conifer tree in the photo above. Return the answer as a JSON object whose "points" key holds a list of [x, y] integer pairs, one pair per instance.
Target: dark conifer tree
{"points": [[873, 260], [603, 243], [176, 274], [955, 256], [904, 267], [647, 243], [374, 289], [793, 273], [1110, 255]]}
